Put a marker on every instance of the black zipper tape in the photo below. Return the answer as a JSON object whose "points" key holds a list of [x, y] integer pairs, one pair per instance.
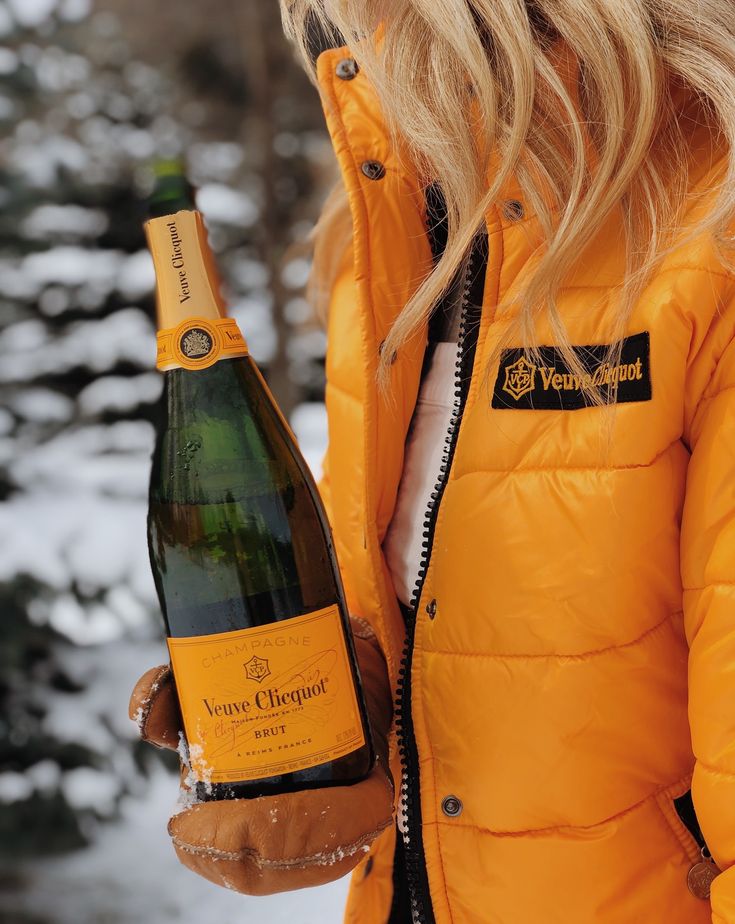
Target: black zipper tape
{"points": [[412, 853], [685, 810]]}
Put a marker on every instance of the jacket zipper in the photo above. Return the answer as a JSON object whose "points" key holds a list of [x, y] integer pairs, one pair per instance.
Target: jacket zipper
{"points": [[410, 805], [684, 807], [685, 810]]}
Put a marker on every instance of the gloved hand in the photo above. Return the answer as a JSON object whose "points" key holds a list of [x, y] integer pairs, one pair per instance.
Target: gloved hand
{"points": [[277, 843]]}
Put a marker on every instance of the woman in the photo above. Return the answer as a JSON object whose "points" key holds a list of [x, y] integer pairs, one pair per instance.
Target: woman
{"points": [[542, 546]]}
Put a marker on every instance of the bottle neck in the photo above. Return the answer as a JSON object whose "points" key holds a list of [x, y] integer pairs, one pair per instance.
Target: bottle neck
{"points": [[193, 328]]}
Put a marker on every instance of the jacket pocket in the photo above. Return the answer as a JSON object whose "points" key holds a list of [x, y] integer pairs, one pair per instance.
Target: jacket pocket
{"points": [[676, 806]]}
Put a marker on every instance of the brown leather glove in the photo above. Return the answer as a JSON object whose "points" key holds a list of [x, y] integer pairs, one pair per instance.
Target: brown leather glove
{"points": [[322, 833]]}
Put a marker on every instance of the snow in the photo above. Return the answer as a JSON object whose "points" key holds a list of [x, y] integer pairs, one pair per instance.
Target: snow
{"points": [[45, 776], [42, 405], [298, 311], [7, 108], [249, 274], [295, 273], [97, 717], [254, 317], [86, 788], [27, 335], [82, 625], [114, 459], [136, 276], [15, 283], [111, 671], [6, 422], [117, 393], [214, 159], [127, 607], [137, 142], [125, 336], [309, 424], [6, 23], [60, 538], [308, 343], [131, 874], [80, 105], [58, 70], [54, 300], [8, 61], [46, 222], [72, 266], [31, 13], [223, 205], [14, 787], [286, 144], [73, 10], [38, 160]]}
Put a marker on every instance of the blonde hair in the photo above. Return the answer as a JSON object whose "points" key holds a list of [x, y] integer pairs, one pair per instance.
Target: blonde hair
{"points": [[637, 61]]}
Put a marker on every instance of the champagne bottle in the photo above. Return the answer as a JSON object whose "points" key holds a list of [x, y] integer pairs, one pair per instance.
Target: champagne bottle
{"points": [[242, 556]]}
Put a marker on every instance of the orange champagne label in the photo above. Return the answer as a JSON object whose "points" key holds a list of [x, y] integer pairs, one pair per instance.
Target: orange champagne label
{"points": [[198, 343], [268, 700]]}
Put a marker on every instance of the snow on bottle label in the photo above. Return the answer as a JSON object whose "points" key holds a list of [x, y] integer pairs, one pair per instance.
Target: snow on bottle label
{"points": [[267, 700]]}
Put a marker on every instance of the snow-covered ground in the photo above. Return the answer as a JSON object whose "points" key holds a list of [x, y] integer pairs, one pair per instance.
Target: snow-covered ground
{"points": [[131, 875]]}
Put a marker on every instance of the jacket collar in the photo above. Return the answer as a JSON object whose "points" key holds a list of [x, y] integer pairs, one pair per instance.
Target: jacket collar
{"points": [[358, 103]]}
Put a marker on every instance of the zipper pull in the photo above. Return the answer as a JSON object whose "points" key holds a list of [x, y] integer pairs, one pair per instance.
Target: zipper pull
{"points": [[702, 874]]}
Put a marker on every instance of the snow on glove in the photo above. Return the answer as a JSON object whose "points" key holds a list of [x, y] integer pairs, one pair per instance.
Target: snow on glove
{"points": [[277, 843]]}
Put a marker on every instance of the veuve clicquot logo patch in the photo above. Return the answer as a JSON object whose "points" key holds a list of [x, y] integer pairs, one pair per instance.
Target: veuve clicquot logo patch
{"points": [[550, 385], [268, 700]]}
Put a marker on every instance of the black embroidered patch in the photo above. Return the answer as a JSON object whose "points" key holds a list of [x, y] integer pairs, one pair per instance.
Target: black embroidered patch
{"points": [[550, 385]]}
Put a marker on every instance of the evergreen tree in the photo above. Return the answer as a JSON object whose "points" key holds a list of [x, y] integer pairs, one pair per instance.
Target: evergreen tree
{"points": [[82, 116]]}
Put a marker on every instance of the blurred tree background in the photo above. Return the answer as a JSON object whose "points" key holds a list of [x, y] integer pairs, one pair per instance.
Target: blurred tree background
{"points": [[90, 93]]}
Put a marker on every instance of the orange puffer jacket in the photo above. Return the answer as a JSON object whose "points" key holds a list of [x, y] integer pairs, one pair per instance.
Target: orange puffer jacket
{"points": [[569, 664]]}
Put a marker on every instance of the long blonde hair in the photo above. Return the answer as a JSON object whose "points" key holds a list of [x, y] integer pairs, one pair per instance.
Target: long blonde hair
{"points": [[636, 58]]}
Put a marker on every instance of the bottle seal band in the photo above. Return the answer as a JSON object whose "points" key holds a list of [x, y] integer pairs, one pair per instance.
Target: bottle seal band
{"points": [[198, 343]]}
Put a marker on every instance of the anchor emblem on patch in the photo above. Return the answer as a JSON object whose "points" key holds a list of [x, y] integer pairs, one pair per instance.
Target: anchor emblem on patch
{"points": [[520, 378]]}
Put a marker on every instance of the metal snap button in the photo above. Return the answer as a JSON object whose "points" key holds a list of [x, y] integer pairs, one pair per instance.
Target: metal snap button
{"points": [[513, 210], [373, 169], [393, 356], [431, 608], [451, 806], [347, 69]]}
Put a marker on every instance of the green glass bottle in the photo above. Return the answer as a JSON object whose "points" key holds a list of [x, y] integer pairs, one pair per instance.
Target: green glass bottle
{"points": [[242, 556]]}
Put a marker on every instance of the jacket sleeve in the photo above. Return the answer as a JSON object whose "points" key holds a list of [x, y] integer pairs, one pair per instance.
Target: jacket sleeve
{"points": [[324, 487], [708, 573]]}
